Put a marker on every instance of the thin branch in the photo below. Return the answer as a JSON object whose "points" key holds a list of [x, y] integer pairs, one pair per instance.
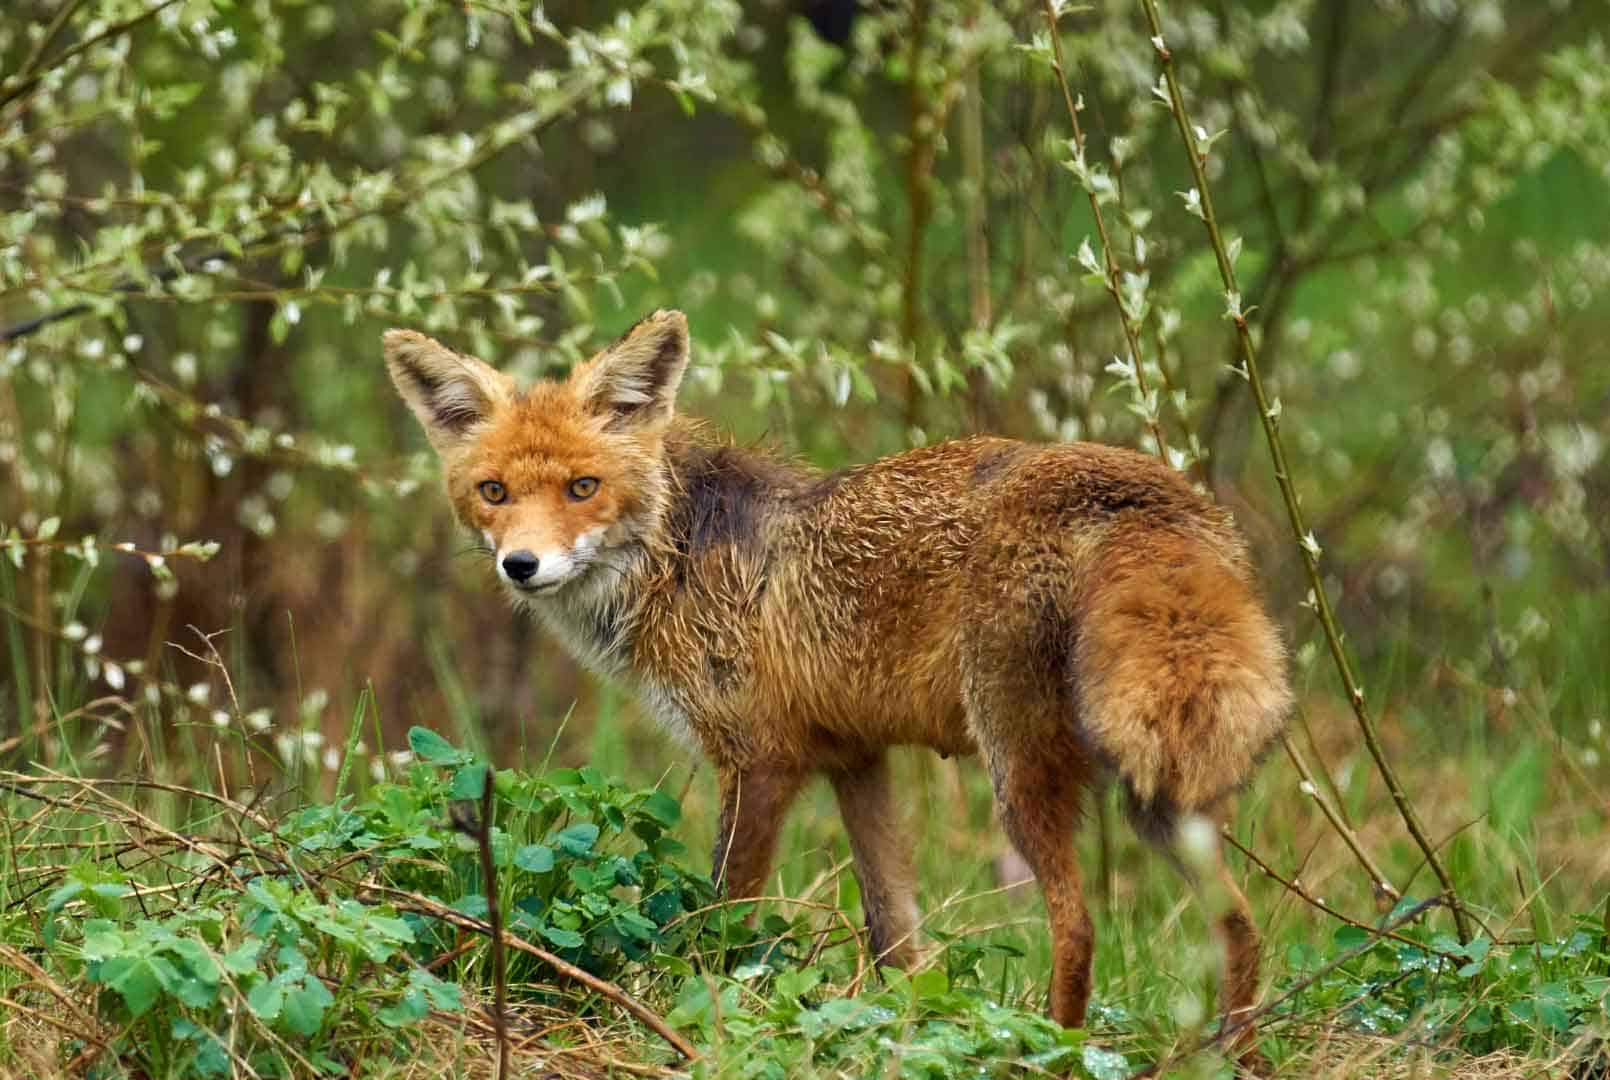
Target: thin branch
{"points": [[1307, 546], [30, 76], [1324, 103], [273, 240], [1113, 275], [970, 117], [1380, 886], [494, 915], [86, 1025], [424, 905], [1295, 886], [57, 23], [919, 202]]}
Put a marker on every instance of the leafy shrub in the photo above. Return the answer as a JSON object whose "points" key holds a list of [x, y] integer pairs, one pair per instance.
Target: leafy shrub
{"points": [[317, 935], [1546, 995], [586, 865], [921, 1028]]}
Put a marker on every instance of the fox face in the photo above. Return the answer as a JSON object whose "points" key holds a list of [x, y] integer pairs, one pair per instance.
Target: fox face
{"points": [[564, 478]]}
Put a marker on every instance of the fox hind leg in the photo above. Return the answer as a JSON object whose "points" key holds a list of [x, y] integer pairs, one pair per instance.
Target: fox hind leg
{"points": [[1019, 694], [880, 842], [1037, 797], [1238, 992]]}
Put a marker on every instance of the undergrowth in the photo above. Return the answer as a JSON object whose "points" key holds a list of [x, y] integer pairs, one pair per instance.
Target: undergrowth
{"points": [[206, 938], [339, 933]]}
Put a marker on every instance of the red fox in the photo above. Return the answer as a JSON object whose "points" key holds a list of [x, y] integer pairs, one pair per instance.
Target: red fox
{"points": [[1071, 613]]}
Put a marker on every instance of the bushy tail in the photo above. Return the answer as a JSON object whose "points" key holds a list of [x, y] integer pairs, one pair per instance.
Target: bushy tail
{"points": [[1182, 682]]}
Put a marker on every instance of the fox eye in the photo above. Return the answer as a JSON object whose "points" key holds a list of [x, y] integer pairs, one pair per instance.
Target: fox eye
{"points": [[493, 492], [583, 487]]}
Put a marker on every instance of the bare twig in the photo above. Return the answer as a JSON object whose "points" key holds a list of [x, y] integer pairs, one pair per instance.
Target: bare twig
{"points": [[1386, 895], [494, 915], [424, 905], [1112, 274], [95, 784], [86, 1026], [1295, 886]]}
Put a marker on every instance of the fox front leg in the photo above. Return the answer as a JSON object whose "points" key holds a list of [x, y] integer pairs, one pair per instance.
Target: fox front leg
{"points": [[881, 844], [753, 804]]}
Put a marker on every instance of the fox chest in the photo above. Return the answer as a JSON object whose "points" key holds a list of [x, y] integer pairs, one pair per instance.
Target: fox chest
{"points": [[686, 679], [595, 634]]}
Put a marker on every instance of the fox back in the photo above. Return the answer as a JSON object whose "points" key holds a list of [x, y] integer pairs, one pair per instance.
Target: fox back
{"points": [[1069, 612]]}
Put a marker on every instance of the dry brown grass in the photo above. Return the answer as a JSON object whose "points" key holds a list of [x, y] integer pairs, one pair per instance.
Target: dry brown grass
{"points": [[547, 1043], [1335, 1055]]}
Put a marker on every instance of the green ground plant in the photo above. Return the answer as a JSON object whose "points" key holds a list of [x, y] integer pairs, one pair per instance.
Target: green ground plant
{"points": [[348, 932], [321, 940], [332, 938]]}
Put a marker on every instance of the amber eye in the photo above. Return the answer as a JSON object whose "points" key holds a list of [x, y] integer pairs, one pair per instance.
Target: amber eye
{"points": [[493, 492], [583, 487]]}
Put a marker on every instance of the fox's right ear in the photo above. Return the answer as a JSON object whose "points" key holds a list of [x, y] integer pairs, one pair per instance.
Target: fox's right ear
{"points": [[449, 393]]}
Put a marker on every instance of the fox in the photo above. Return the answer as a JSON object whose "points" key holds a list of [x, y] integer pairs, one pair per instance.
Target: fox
{"points": [[1073, 614]]}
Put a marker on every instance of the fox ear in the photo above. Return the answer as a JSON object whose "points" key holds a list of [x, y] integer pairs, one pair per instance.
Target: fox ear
{"points": [[634, 381], [449, 393]]}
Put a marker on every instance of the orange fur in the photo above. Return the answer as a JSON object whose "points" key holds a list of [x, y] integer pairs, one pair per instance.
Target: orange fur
{"points": [[1070, 612]]}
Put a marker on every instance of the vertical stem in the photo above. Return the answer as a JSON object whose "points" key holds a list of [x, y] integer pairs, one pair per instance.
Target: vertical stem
{"points": [[44, 643], [1306, 545], [919, 163], [971, 118], [1112, 273], [494, 916]]}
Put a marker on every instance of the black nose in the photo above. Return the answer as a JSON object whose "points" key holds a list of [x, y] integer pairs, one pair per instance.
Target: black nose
{"points": [[519, 565]]}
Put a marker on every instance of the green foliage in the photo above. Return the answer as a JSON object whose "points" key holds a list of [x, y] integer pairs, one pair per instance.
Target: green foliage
{"points": [[327, 940], [1540, 997], [300, 935], [585, 865], [921, 1028]]}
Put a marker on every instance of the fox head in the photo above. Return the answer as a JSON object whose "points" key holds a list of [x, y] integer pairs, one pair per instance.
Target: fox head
{"points": [[562, 475]]}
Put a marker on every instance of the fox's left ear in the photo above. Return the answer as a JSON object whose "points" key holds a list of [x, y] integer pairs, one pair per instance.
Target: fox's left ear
{"points": [[634, 381]]}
